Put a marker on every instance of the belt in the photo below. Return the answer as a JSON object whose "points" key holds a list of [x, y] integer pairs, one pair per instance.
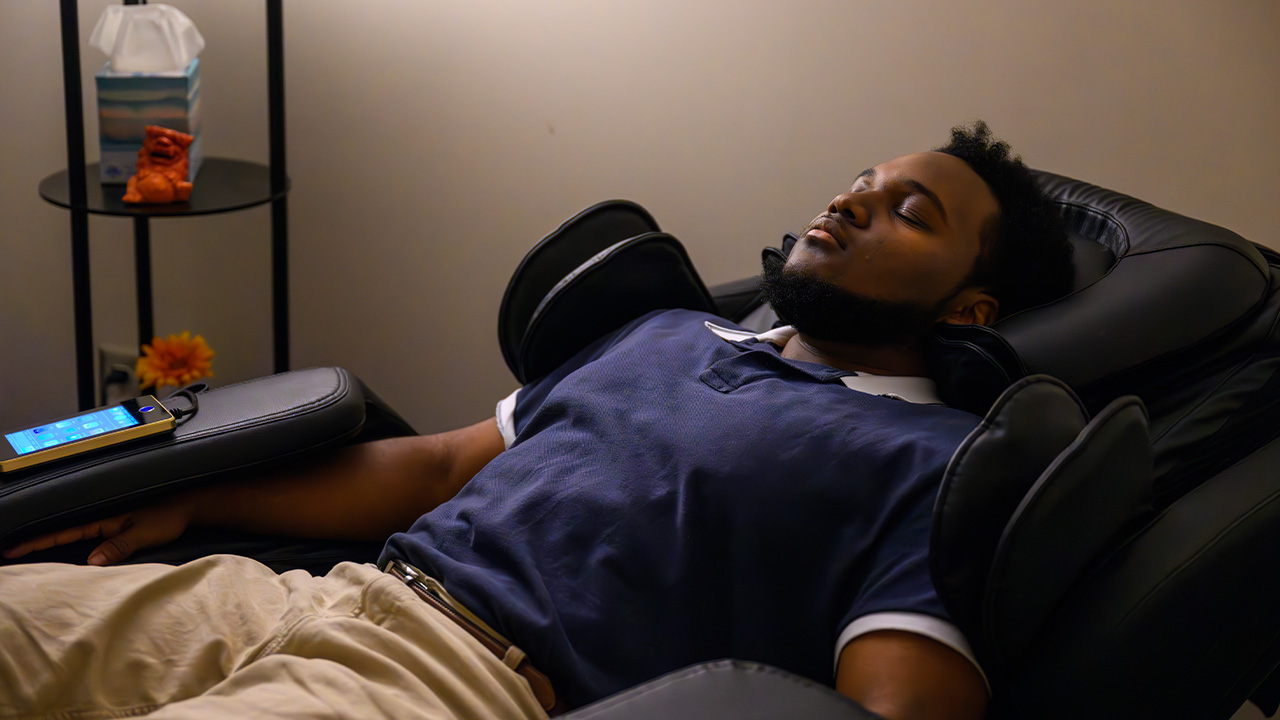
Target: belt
{"points": [[430, 590]]}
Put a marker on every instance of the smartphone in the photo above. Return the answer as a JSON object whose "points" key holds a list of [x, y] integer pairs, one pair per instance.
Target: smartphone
{"points": [[105, 426]]}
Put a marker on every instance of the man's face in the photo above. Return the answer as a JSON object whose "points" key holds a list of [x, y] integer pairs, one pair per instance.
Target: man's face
{"points": [[890, 257], [908, 231]]}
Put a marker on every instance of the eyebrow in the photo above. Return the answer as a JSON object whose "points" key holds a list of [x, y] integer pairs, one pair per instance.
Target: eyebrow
{"points": [[916, 186]]}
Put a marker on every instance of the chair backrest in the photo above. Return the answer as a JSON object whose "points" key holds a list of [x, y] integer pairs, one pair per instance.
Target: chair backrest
{"points": [[1131, 580]]}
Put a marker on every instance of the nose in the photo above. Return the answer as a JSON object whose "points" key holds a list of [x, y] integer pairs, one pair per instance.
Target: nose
{"points": [[852, 207]]}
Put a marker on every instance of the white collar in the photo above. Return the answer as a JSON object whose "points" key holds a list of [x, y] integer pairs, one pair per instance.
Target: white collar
{"points": [[919, 390]]}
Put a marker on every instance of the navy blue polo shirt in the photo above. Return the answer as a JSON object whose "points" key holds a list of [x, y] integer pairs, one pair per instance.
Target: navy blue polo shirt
{"points": [[671, 497]]}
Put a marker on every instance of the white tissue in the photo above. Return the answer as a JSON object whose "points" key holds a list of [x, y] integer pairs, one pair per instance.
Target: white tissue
{"points": [[147, 38]]}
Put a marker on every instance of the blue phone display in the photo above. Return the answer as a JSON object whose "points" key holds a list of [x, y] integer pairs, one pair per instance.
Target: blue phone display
{"points": [[70, 430]]}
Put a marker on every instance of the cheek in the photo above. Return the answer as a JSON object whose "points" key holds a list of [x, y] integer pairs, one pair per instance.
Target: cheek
{"points": [[884, 269], [920, 277]]}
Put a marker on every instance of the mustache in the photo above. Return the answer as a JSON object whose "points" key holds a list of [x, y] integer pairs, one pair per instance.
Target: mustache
{"points": [[825, 219], [833, 225]]}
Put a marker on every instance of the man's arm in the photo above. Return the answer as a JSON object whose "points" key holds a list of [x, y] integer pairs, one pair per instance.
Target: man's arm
{"points": [[905, 676], [361, 492], [365, 492]]}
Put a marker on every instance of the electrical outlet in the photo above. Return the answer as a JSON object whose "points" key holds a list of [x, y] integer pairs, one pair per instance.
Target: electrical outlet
{"points": [[117, 373]]}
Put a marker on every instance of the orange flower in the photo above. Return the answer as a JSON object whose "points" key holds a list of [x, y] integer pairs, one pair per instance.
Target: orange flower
{"points": [[175, 360]]}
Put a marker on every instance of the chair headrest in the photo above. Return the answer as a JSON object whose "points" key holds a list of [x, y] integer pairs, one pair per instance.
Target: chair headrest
{"points": [[1149, 283], [626, 280], [555, 257]]}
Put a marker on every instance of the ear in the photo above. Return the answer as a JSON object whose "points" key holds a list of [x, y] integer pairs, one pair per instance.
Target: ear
{"points": [[972, 306]]}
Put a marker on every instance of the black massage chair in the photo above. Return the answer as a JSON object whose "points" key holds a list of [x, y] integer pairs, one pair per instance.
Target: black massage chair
{"points": [[1101, 537]]}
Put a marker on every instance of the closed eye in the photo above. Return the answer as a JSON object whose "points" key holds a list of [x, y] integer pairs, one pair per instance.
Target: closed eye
{"points": [[911, 219]]}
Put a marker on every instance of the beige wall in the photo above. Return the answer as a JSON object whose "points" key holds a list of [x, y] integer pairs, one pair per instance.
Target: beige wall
{"points": [[431, 143]]}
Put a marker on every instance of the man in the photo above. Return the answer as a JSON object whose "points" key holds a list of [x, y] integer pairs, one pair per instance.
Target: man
{"points": [[679, 491]]}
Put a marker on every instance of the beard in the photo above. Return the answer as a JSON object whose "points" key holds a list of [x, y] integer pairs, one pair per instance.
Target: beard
{"points": [[825, 311]]}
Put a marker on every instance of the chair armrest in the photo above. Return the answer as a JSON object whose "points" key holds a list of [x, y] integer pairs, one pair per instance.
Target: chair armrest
{"points": [[251, 425]]}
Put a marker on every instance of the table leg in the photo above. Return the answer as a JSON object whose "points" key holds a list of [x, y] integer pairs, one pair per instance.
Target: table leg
{"points": [[79, 214], [142, 276]]}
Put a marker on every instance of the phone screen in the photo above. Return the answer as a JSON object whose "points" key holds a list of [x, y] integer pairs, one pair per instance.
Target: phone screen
{"points": [[130, 420], [71, 429]]}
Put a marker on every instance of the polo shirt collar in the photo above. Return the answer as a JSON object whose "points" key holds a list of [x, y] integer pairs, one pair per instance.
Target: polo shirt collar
{"points": [[919, 390]]}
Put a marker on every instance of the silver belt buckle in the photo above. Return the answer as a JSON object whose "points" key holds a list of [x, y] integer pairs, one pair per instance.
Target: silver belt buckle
{"points": [[411, 573], [415, 578]]}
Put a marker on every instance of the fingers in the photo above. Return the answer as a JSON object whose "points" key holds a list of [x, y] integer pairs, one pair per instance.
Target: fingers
{"points": [[101, 528], [143, 529], [62, 537], [124, 534], [113, 550]]}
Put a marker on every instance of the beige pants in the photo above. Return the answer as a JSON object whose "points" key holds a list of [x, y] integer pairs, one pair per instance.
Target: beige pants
{"points": [[225, 637]]}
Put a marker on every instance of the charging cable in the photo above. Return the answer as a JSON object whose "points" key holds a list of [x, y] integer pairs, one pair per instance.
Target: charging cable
{"points": [[190, 393]]}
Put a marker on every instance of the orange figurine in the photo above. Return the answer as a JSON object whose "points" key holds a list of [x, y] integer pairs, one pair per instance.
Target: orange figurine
{"points": [[161, 175]]}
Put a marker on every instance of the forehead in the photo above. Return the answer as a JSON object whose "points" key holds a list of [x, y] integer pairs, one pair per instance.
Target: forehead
{"points": [[963, 192]]}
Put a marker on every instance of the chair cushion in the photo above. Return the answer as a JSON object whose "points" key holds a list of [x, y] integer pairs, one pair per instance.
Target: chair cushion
{"points": [[1094, 494], [1027, 427]]}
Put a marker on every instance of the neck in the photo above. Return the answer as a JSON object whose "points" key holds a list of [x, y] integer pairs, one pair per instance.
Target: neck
{"points": [[873, 359]]}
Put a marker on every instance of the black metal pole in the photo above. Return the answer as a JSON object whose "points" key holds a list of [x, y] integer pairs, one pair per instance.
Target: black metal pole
{"points": [[142, 277], [81, 298], [279, 185]]}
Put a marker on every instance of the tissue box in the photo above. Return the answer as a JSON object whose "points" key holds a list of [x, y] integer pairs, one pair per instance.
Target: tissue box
{"points": [[129, 102]]}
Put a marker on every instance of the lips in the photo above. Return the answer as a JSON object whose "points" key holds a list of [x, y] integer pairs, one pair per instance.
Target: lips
{"points": [[830, 228]]}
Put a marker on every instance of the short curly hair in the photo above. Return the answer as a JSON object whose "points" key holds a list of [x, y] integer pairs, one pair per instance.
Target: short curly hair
{"points": [[1026, 257]]}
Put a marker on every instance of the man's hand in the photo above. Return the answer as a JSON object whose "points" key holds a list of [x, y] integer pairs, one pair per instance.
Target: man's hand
{"points": [[905, 676], [125, 534]]}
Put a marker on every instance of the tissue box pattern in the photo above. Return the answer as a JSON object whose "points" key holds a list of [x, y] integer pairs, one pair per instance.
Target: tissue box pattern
{"points": [[127, 104]]}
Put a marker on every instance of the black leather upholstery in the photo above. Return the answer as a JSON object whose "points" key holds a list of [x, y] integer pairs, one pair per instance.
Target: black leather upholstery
{"points": [[972, 365], [1034, 421], [1175, 282], [555, 257], [726, 689], [1179, 621], [629, 278], [1185, 319], [1094, 495]]}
